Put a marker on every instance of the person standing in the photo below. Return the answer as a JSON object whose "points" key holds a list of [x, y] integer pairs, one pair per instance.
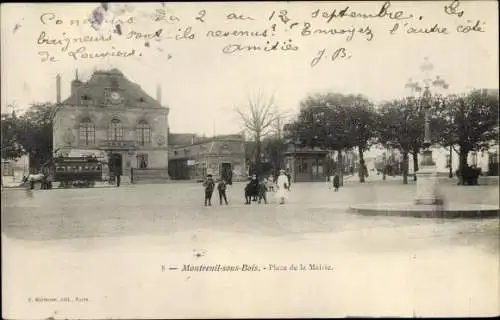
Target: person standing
{"points": [[254, 183], [336, 182], [221, 187], [282, 186], [270, 183], [289, 177], [118, 178], [209, 185], [248, 193], [263, 190]]}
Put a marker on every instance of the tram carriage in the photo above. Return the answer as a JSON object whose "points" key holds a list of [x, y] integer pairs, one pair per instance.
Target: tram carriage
{"points": [[73, 171]]}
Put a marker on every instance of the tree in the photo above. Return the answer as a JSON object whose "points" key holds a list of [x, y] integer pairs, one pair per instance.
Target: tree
{"points": [[324, 122], [32, 132], [258, 116], [400, 123], [469, 121], [361, 125], [275, 148], [11, 148]]}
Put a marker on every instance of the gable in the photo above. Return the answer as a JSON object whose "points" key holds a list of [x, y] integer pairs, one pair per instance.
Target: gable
{"points": [[101, 84]]}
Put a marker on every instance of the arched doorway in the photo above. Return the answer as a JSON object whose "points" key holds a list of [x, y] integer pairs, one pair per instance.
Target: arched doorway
{"points": [[116, 164]]}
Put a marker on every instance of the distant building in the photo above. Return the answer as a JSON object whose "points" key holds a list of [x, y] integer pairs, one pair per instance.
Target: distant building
{"points": [[193, 157], [315, 164], [487, 160], [109, 116], [13, 171]]}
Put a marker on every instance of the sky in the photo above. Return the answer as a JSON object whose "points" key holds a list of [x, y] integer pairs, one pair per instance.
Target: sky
{"points": [[202, 85]]}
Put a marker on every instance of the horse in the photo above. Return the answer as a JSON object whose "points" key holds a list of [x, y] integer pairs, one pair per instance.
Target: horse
{"points": [[32, 178]]}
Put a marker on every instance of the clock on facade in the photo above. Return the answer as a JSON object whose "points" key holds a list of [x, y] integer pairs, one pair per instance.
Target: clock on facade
{"points": [[160, 140], [115, 97]]}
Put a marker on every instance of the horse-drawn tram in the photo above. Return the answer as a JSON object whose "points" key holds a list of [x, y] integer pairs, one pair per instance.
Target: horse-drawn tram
{"points": [[72, 172]]}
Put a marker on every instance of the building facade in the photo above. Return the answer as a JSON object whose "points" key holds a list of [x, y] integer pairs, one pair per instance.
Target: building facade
{"points": [[109, 116], [315, 164], [192, 157], [13, 171], [444, 158]]}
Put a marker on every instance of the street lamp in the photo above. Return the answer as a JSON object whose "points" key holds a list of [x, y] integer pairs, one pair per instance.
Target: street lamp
{"points": [[427, 192]]}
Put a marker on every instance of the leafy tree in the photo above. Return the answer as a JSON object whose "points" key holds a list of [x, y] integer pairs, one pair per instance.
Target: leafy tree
{"points": [[324, 122], [361, 125], [469, 122], [29, 133], [275, 148], [400, 123], [11, 125]]}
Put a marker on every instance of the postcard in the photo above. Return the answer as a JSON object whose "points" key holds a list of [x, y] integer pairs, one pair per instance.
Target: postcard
{"points": [[283, 159]]}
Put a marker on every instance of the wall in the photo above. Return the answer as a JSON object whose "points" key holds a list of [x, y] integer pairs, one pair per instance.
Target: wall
{"points": [[68, 118], [13, 171]]}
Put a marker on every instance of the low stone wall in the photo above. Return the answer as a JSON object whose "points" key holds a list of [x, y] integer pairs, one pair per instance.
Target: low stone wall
{"points": [[488, 180]]}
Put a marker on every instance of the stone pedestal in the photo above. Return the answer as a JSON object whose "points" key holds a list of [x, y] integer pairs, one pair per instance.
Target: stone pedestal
{"points": [[427, 182]]}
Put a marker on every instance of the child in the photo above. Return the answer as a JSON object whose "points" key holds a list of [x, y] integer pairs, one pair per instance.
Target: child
{"points": [[263, 190], [270, 181], [221, 187], [248, 192], [209, 185], [336, 182]]}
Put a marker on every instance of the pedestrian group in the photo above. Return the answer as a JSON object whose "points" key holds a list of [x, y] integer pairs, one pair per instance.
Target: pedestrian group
{"points": [[255, 190]]}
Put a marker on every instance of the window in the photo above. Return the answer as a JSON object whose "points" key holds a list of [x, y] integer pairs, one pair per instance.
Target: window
{"points": [[87, 132], [107, 95], [115, 131], [143, 133], [493, 157], [7, 169], [302, 165]]}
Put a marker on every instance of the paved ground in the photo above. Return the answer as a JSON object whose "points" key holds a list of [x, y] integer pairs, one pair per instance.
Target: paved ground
{"points": [[108, 245]]}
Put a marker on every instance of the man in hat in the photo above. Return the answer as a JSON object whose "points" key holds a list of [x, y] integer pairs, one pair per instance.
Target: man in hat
{"points": [[209, 185], [254, 187], [221, 187]]}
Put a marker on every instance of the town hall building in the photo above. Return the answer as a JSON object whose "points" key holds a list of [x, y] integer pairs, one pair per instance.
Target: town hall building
{"points": [[111, 117]]}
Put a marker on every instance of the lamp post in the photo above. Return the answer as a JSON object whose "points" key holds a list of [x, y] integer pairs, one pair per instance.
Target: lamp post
{"points": [[450, 174], [384, 168], [427, 187]]}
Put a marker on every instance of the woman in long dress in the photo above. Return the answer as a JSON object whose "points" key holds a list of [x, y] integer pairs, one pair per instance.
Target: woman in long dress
{"points": [[282, 184]]}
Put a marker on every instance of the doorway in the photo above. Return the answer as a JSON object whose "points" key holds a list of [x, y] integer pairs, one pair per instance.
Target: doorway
{"points": [[116, 164], [142, 161], [227, 172]]}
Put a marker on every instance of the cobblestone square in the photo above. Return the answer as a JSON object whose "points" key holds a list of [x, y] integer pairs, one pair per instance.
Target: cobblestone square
{"points": [[130, 237]]}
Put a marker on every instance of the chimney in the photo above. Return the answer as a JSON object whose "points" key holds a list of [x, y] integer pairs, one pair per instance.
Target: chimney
{"points": [[75, 84], [58, 88], [158, 93]]}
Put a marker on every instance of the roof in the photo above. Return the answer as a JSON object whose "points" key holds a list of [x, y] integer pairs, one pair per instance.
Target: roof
{"points": [[187, 139], [228, 147], [92, 92], [181, 139]]}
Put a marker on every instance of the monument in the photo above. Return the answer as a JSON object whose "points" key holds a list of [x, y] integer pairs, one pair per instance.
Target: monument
{"points": [[428, 201], [427, 186]]}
